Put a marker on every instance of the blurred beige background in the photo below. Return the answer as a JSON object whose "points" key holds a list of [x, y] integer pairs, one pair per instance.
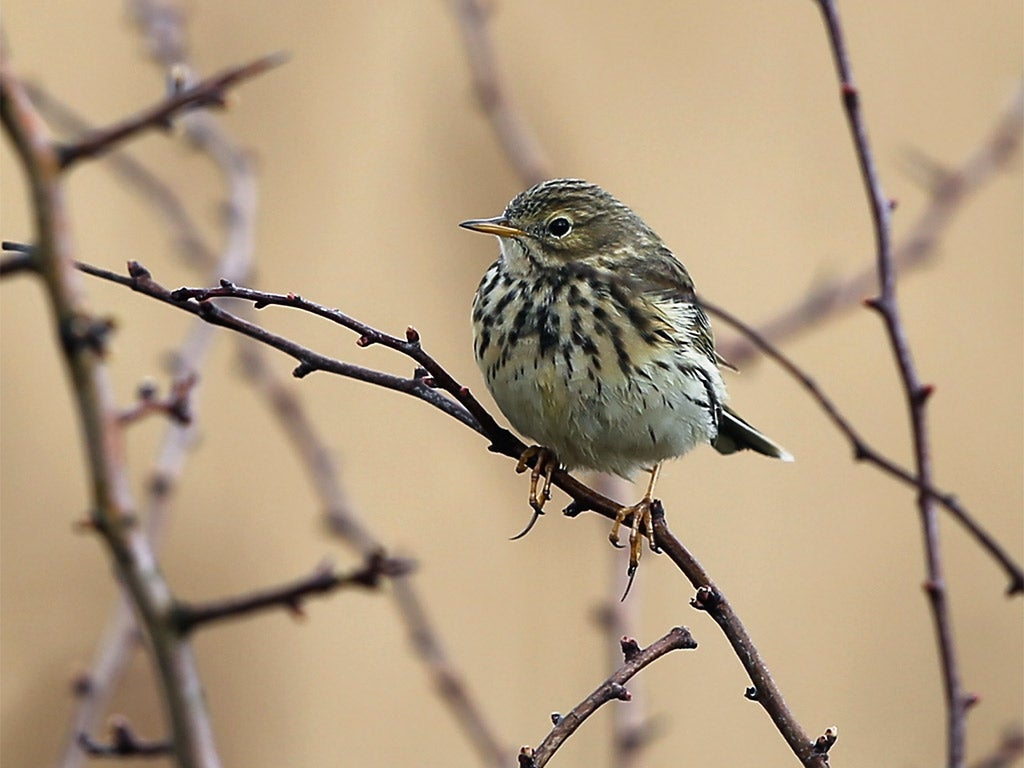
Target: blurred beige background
{"points": [[720, 124]]}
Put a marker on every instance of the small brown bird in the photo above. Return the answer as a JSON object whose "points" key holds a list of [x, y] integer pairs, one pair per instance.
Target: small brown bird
{"points": [[591, 340]]}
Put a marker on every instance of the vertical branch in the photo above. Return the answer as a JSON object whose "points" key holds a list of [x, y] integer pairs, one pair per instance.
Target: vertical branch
{"points": [[916, 392], [82, 341]]}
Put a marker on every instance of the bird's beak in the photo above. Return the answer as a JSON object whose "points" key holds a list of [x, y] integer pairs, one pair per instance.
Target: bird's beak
{"points": [[497, 226]]}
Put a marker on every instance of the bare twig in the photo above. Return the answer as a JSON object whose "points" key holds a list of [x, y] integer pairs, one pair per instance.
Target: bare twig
{"points": [[208, 93], [611, 689], [917, 393], [514, 134], [324, 579]]}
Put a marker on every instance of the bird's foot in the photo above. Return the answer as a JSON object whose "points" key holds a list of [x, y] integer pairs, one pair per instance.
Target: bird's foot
{"points": [[640, 525], [544, 467]]}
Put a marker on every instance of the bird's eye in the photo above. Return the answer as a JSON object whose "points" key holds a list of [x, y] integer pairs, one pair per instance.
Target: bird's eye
{"points": [[559, 227]]}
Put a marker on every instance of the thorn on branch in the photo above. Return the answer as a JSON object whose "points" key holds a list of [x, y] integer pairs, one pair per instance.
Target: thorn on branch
{"points": [[302, 370], [705, 599], [556, 718], [526, 757], [875, 303], [412, 336], [922, 393], [750, 694], [824, 742], [971, 700], [630, 647], [137, 271], [619, 691], [851, 95]]}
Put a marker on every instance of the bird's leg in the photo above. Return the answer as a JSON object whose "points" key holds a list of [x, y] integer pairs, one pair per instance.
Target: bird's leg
{"points": [[545, 466], [641, 514]]}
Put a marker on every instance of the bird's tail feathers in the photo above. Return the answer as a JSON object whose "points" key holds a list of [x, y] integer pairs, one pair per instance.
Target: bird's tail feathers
{"points": [[735, 434]]}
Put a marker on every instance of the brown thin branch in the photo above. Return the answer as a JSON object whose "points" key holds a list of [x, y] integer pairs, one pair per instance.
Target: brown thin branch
{"points": [[517, 140], [323, 580], [208, 93], [611, 689], [140, 281], [917, 393]]}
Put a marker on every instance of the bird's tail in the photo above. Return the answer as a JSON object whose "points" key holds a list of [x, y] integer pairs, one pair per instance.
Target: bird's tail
{"points": [[734, 434]]}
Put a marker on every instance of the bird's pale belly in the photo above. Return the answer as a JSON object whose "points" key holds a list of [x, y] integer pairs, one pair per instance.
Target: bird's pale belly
{"points": [[606, 420]]}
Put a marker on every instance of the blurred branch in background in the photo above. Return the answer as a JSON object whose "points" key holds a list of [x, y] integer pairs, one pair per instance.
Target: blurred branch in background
{"points": [[949, 189], [518, 141]]}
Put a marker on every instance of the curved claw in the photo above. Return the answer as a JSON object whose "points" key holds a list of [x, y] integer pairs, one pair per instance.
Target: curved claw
{"points": [[630, 575], [529, 526], [614, 539]]}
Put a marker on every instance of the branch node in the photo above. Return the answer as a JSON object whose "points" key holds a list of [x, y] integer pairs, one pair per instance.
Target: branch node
{"points": [[751, 693], [875, 303], [137, 271], [851, 96], [556, 718], [526, 757], [922, 393], [303, 369], [824, 742], [630, 647], [365, 341], [412, 336], [619, 691], [706, 598]]}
